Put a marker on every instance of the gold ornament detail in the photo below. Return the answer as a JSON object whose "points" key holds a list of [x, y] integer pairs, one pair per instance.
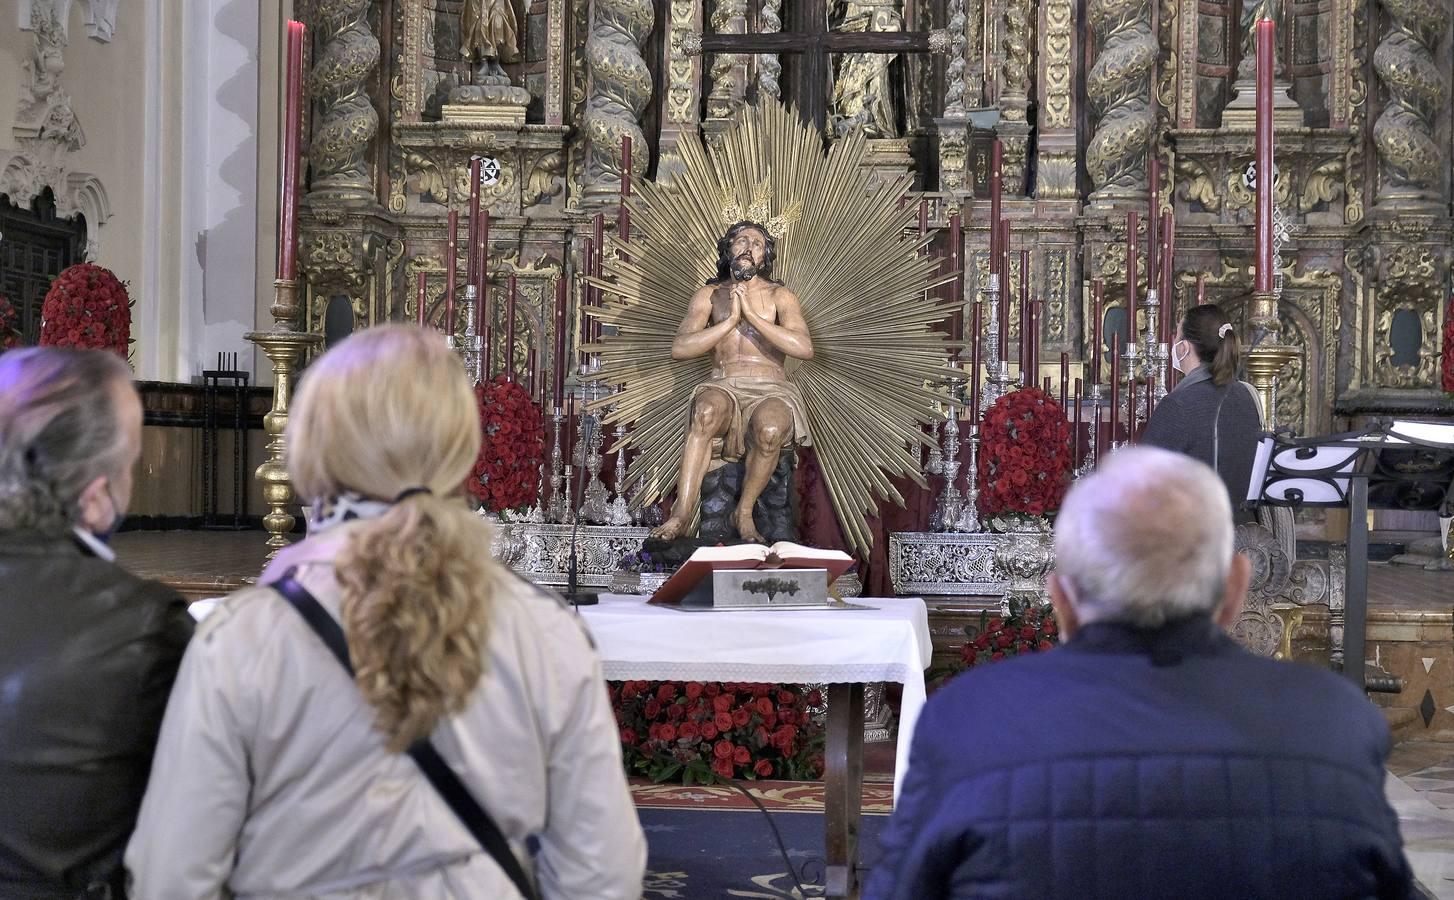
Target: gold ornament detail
{"points": [[347, 58], [1119, 88], [760, 210], [1404, 132], [867, 296]]}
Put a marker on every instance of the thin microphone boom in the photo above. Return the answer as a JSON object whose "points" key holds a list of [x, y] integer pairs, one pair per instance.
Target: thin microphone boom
{"points": [[572, 584]]}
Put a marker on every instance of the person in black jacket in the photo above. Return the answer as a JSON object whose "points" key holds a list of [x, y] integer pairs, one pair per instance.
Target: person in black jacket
{"points": [[1150, 755], [1210, 415], [88, 652]]}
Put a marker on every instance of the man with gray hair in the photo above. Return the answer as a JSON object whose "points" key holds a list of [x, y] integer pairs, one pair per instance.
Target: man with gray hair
{"points": [[1150, 756], [88, 652]]}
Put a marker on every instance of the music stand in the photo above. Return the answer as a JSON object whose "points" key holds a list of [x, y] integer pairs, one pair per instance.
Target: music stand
{"points": [[1345, 470]]}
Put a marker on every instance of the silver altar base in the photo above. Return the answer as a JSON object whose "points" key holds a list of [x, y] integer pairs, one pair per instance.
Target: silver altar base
{"points": [[540, 551], [945, 565]]}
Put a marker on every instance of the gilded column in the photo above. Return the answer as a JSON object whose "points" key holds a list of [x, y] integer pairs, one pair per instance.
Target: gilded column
{"points": [[1118, 87], [1014, 127], [620, 87], [729, 70], [683, 83], [769, 67], [347, 56], [1409, 160], [1056, 146]]}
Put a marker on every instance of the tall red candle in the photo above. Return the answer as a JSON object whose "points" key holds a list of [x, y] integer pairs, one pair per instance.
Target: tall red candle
{"points": [[484, 314], [292, 126], [1064, 376], [623, 215], [997, 189], [1262, 283], [509, 359], [1075, 429], [1168, 270], [1004, 269], [1115, 389], [974, 364], [530, 372], [956, 319], [1153, 218], [420, 300], [923, 218], [482, 268], [1133, 224], [558, 371], [451, 250], [1025, 324], [471, 264], [448, 324], [1098, 295]]}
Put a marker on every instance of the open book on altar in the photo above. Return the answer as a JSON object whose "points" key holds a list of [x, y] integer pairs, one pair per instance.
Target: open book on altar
{"points": [[782, 555]]}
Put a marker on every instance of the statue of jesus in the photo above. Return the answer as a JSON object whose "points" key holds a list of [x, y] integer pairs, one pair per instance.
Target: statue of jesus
{"points": [[748, 410]]}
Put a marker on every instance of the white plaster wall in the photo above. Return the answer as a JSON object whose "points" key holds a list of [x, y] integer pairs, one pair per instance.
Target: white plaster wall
{"points": [[177, 134]]}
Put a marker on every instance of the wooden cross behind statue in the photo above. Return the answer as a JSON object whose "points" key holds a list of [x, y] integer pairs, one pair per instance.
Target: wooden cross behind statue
{"points": [[814, 44]]}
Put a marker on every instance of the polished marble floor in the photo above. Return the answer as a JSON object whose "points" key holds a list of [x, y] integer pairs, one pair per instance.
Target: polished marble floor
{"points": [[1421, 790]]}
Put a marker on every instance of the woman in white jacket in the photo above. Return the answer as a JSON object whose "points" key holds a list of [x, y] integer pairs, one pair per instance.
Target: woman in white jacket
{"points": [[278, 775]]}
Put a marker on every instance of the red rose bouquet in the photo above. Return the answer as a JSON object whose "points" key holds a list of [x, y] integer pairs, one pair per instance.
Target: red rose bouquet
{"points": [[86, 307], [690, 730], [507, 472], [9, 325], [1027, 629], [1447, 360], [1024, 458]]}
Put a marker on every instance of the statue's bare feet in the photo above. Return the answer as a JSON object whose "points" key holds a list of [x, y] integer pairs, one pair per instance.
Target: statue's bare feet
{"points": [[746, 528], [668, 530]]}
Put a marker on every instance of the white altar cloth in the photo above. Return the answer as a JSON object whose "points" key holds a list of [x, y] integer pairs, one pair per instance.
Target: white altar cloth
{"points": [[639, 641]]}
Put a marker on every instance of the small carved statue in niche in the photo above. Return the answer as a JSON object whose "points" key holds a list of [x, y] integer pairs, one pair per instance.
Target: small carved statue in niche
{"points": [[488, 35], [1252, 12], [863, 87], [45, 108]]}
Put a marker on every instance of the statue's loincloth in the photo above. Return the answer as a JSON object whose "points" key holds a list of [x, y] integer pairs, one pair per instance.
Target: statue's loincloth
{"points": [[747, 394]]}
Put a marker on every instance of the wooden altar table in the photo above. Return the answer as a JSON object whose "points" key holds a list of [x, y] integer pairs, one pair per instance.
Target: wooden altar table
{"points": [[843, 648]]}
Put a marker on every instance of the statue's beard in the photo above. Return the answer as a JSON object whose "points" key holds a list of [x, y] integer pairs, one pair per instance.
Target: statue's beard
{"points": [[743, 268]]}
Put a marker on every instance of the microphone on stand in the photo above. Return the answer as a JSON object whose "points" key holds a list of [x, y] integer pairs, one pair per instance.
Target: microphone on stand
{"points": [[573, 593]]}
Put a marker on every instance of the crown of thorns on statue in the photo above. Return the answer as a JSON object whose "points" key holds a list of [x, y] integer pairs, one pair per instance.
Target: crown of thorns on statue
{"points": [[777, 226]]}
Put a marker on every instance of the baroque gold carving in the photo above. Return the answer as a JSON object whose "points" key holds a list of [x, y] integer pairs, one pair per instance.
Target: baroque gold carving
{"points": [[728, 17], [1404, 132], [1357, 116], [620, 90], [954, 74], [1411, 276], [1018, 34], [680, 95], [1058, 16], [1196, 183], [347, 57], [1119, 87]]}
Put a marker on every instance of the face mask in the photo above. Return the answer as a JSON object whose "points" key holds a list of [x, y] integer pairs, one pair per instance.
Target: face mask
{"points": [[1178, 358], [117, 518]]}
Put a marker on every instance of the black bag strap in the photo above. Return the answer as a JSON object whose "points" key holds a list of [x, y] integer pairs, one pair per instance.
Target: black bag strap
{"points": [[440, 775]]}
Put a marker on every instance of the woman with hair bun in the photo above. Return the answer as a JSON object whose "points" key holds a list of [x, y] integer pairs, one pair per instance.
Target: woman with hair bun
{"points": [[1210, 415], [278, 774]]}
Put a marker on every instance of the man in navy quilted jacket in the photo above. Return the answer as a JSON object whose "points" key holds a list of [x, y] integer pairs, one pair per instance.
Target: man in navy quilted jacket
{"points": [[1150, 756]]}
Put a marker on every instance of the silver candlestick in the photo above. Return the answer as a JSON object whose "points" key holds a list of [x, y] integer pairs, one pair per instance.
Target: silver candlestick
{"points": [[1095, 432], [969, 510], [1136, 408], [558, 504], [620, 513], [569, 515], [469, 345], [997, 371], [951, 499]]}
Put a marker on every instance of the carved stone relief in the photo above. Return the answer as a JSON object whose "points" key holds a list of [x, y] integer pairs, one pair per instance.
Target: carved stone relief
{"points": [[620, 88], [1118, 87], [1404, 133], [347, 56]]}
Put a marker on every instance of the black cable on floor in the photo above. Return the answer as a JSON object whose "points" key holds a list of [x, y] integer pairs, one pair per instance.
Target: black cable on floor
{"points": [[776, 835]]}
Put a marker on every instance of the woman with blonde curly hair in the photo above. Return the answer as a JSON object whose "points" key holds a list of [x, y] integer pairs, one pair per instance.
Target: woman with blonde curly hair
{"points": [[278, 774]]}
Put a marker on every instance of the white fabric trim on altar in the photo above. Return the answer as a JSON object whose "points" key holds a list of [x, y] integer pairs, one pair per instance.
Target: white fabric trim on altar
{"points": [[887, 643]]}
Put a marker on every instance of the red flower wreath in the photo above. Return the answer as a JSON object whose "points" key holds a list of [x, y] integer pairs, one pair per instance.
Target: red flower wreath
{"points": [[507, 472], [86, 307], [1029, 629], [1024, 459], [686, 731], [1447, 362], [9, 325]]}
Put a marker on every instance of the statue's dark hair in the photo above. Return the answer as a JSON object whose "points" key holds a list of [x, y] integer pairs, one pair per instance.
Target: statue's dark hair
{"points": [[724, 252]]}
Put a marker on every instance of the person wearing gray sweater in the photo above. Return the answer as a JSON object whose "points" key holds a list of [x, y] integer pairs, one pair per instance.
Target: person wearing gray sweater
{"points": [[1210, 415]]}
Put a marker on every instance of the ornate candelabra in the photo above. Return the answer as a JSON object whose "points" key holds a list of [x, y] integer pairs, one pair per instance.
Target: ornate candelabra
{"points": [[620, 511], [950, 497], [997, 380], [558, 504], [568, 515], [1135, 409], [1089, 465], [595, 508], [470, 345], [969, 510], [285, 347], [1151, 357]]}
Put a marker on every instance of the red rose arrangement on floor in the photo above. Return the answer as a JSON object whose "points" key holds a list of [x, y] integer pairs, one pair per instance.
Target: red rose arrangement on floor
{"points": [[9, 324], [507, 471], [1027, 629], [86, 307], [1024, 457], [1447, 360], [690, 730]]}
